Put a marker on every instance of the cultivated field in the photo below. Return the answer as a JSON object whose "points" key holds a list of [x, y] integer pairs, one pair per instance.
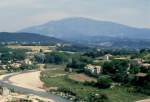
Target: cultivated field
{"points": [[81, 78], [33, 48]]}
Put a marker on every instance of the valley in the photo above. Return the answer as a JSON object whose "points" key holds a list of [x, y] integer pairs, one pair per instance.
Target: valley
{"points": [[74, 51], [62, 75]]}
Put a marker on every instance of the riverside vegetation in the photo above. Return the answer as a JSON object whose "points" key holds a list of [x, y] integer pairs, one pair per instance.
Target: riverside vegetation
{"points": [[124, 76]]}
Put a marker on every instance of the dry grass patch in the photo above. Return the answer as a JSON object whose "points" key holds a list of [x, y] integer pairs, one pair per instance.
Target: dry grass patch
{"points": [[33, 48], [81, 77]]}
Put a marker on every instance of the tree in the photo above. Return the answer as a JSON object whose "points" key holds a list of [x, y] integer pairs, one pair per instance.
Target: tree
{"points": [[104, 81], [56, 57], [117, 69], [8, 54], [108, 68], [76, 64], [134, 69], [27, 67], [40, 57], [19, 54]]}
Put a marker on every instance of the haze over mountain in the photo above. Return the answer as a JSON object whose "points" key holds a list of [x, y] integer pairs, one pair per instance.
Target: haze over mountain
{"points": [[77, 28], [27, 38]]}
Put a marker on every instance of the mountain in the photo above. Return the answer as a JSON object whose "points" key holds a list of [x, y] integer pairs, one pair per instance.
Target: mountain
{"points": [[27, 38], [79, 28], [94, 33]]}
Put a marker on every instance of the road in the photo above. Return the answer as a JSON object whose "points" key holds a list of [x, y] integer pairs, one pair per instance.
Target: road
{"points": [[4, 81]]}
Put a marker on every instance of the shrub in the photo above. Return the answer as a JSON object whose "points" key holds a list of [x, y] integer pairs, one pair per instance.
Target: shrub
{"points": [[97, 98]]}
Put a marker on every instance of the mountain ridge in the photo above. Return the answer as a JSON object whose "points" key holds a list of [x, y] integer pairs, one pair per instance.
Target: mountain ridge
{"points": [[76, 27]]}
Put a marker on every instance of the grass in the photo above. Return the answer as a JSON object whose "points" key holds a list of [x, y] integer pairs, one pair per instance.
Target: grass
{"points": [[54, 72], [33, 48], [53, 66], [117, 94], [120, 94], [2, 72], [81, 77]]}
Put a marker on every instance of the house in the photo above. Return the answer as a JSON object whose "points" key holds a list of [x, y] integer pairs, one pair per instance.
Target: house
{"points": [[107, 57], [141, 74], [93, 69], [137, 61], [28, 61], [45, 51], [141, 63], [15, 65], [146, 65]]}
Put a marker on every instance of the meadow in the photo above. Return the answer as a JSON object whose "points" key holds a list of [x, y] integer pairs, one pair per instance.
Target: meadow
{"points": [[116, 94]]}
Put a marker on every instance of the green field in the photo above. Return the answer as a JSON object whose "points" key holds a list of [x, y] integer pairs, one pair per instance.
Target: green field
{"points": [[117, 94]]}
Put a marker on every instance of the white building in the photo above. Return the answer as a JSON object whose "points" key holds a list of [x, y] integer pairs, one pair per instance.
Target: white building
{"points": [[28, 61], [107, 57], [93, 69]]}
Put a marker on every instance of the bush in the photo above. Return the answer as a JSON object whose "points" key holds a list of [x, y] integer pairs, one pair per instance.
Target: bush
{"points": [[67, 91], [92, 83], [97, 98]]}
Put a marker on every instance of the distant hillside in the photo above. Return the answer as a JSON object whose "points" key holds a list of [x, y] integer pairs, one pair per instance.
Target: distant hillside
{"points": [[94, 33], [78, 28], [114, 42], [26, 37]]}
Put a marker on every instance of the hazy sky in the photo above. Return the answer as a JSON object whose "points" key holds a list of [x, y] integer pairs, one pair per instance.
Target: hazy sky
{"points": [[17, 14]]}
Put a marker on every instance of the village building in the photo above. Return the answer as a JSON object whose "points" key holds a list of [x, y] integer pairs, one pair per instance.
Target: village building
{"points": [[107, 57], [93, 69], [140, 62], [15, 65], [137, 61], [141, 74], [45, 51], [28, 61], [146, 65]]}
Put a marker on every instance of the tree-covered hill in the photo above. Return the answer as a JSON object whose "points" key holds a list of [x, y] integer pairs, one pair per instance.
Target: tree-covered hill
{"points": [[27, 38]]}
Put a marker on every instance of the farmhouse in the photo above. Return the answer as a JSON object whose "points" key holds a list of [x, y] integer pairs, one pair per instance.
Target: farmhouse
{"points": [[146, 65], [141, 74], [107, 57], [28, 61], [15, 65], [137, 61], [93, 69]]}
